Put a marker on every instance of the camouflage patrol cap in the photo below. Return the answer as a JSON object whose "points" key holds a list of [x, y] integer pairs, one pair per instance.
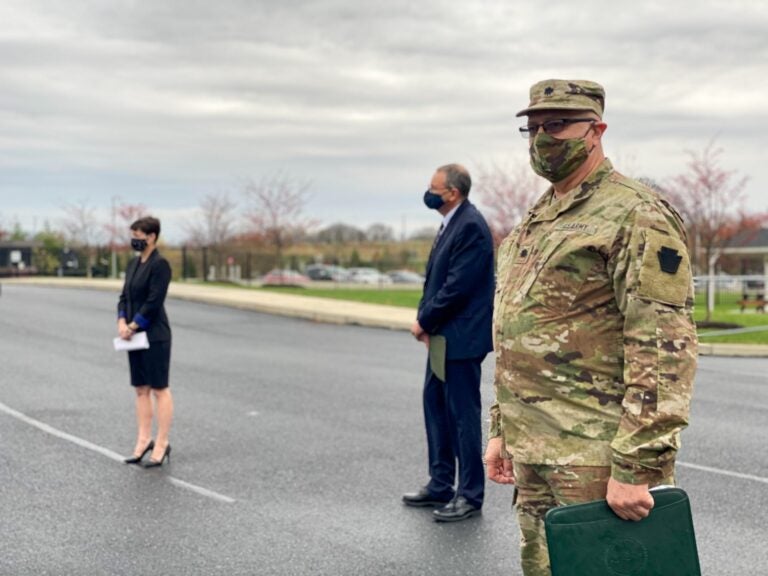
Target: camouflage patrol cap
{"points": [[566, 95]]}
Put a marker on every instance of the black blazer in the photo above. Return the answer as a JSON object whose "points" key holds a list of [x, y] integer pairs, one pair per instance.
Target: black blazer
{"points": [[459, 286], [143, 296]]}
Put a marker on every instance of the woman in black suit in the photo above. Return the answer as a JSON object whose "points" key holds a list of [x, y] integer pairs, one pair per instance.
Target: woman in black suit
{"points": [[141, 308]]}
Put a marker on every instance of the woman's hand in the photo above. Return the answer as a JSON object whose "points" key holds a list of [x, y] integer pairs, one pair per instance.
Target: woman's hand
{"points": [[123, 330]]}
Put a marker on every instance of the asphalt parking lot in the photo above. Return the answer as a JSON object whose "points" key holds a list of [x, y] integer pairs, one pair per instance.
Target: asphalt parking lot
{"points": [[292, 444]]}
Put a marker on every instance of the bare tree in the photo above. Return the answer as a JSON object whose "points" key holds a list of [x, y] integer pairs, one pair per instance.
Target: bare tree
{"points": [[380, 233], [123, 215], [18, 234], [216, 221], [213, 228], [424, 233], [127, 214], [339, 233], [712, 201], [83, 229], [276, 211], [506, 195]]}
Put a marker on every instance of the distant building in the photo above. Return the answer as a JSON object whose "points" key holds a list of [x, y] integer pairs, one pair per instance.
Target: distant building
{"points": [[752, 250], [16, 258]]}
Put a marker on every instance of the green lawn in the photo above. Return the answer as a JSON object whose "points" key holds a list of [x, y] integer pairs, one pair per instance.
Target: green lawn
{"points": [[748, 338], [725, 310], [729, 312], [406, 297]]}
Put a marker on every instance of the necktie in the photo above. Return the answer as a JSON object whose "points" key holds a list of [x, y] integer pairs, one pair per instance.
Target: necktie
{"points": [[439, 233]]}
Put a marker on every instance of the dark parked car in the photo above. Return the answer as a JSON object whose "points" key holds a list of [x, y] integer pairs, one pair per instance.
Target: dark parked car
{"points": [[324, 272]]}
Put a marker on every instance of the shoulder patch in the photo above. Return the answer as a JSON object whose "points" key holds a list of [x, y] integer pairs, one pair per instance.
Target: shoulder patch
{"points": [[669, 260], [665, 272]]}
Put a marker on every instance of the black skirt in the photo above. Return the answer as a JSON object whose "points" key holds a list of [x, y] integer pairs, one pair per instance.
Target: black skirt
{"points": [[151, 367]]}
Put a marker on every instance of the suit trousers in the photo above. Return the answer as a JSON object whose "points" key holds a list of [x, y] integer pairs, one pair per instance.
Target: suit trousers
{"points": [[454, 431]]}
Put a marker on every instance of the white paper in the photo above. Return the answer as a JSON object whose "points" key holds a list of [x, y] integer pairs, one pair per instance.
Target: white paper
{"points": [[137, 342]]}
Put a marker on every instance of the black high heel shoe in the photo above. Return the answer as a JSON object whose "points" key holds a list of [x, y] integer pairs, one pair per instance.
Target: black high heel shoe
{"points": [[137, 459], [158, 463]]}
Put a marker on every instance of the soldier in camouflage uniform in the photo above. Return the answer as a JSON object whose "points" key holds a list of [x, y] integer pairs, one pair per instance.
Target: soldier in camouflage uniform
{"points": [[594, 335]]}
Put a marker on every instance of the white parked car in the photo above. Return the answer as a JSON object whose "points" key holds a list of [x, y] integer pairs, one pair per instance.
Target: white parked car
{"points": [[368, 276], [405, 277]]}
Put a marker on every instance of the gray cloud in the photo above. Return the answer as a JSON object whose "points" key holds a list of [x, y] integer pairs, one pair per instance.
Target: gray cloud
{"points": [[169, 100]]}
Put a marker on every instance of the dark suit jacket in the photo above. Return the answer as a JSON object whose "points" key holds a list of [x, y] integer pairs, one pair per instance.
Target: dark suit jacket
{"points": [[459, 286], [143, 296]]}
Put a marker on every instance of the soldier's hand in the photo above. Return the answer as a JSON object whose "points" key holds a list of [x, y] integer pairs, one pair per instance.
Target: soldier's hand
{"points": [[498, 468], [629, 501]]}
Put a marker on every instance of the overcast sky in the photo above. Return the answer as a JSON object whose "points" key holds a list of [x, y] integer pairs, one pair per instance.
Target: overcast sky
{"points": [[162, 102]]}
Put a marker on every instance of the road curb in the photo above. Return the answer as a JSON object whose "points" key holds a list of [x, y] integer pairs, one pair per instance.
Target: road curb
{"points": [[733, 350], [316, 309]]}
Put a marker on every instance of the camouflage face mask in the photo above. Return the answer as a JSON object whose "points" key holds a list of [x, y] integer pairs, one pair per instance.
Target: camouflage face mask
{"points": [[556, 159]]}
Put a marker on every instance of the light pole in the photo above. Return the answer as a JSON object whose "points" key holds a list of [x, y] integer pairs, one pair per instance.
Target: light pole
{"points": [[112, 241]]}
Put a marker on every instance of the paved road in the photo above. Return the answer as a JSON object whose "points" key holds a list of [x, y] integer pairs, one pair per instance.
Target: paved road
{"points": [[292, 445]]}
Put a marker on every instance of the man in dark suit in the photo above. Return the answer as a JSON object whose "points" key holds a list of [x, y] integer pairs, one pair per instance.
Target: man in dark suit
{"points": [[457, 306]]}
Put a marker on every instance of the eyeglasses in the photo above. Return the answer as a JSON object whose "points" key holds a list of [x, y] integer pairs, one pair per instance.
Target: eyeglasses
{"points": [[551, 127]]}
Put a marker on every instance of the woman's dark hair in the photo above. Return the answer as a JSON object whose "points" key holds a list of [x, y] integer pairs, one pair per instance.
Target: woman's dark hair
{"points": [[148, 225]]}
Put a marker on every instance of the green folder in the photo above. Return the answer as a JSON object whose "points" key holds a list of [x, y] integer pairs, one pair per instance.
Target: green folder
{"points": [[437, 346], [590, 540]]}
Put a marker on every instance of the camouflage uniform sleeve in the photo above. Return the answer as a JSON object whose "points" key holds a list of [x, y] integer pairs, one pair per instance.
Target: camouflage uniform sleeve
{"points": [[494, 430], [502, 269], [653, 286]]}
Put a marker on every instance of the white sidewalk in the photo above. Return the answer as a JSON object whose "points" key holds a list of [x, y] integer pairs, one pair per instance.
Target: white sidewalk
{"points": [[318, 309]]}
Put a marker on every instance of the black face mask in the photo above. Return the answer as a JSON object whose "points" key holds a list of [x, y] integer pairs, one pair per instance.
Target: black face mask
{"points": [[433, 201], [138, 244]]}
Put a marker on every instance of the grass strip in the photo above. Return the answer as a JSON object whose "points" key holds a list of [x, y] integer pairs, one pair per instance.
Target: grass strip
{"points": [[409, 298]]}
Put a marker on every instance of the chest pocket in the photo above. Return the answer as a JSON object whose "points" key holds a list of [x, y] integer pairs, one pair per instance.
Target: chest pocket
{"points": [[562, 269]]}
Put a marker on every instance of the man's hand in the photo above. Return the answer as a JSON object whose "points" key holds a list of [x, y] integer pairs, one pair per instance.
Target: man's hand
{"points": [[629, 501], [419, 334], [498, 468]]}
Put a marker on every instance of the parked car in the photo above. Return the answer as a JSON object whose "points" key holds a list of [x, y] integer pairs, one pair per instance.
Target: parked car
{"points": [[405, 277], [368, 276], [324, 272], [339, 274], [279, 277], [318, 272]]}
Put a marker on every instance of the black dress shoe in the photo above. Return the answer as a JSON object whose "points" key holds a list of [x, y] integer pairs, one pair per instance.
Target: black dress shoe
{"points": [[456, 510], [423, 498]]}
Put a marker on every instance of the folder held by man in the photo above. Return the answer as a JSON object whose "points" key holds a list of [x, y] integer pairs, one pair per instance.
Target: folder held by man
{"points": [[590, 540]]}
